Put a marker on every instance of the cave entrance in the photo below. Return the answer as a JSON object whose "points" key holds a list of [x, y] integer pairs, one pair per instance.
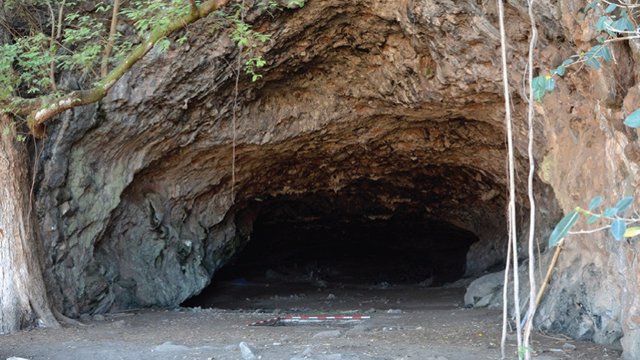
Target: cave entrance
{"points": [[319, 242], [396, 250]]}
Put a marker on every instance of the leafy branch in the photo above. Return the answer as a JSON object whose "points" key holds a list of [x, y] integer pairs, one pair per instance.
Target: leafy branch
{"points": [[618, 226], [616, 22], [40, 109], [80, 42]]}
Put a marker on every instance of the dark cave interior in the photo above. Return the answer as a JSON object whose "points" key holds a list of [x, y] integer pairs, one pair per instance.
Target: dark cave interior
{"points": [[299, 241]]}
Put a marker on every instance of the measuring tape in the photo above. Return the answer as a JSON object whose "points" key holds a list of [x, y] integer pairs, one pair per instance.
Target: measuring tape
{"points": [[307, 319]]}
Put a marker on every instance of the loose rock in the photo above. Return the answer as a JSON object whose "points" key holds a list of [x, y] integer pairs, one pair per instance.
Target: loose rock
{"points": [[170, 347], [247, 353], [328, 334]]}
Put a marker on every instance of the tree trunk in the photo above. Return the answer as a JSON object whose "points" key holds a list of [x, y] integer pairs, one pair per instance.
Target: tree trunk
{"points": [[23, 299]]}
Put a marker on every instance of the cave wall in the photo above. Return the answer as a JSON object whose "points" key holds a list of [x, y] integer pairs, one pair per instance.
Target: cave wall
{"points": [[135, 195], [590, 152]]}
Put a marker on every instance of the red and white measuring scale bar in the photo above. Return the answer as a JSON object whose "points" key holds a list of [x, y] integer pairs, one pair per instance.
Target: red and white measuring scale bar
{"points": [[291, 318], [308, 319]]}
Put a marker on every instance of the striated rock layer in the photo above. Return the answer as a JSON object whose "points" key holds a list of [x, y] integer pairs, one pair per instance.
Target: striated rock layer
{"points": [[367, 109]]}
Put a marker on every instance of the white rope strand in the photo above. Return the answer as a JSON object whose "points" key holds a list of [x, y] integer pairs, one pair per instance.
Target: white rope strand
{"points": [[532, 203], [511, 174]]}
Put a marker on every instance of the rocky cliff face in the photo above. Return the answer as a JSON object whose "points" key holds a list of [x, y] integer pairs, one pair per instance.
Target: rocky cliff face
{"points": [[367, 109]]}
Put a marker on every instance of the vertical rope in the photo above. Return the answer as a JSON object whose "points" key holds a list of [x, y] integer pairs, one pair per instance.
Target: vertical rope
{"points": [[532, 203], [505, 303], [511, 176]]}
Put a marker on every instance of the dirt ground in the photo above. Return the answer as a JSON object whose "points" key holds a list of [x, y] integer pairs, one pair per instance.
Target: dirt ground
{"points": [[406, 322]]}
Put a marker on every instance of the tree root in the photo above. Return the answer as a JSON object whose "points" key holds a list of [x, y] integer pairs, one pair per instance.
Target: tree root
{"points": [[67, 320]]}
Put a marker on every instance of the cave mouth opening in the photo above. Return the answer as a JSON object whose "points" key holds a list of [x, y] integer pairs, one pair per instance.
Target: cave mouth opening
{"points": [[398, 250], [314, 243]]}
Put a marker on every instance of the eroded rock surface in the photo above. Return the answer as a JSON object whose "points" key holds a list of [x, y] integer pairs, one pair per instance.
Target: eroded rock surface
{"points": [[395, 105]]}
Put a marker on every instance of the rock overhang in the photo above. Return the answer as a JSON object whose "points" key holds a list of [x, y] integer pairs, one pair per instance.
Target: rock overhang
{"points": [[357, 102]]}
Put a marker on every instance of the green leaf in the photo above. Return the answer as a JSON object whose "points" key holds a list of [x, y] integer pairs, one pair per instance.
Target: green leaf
{"points": [[623, 24], [103, 8], [611, 8], [563, 227], [624, 203], [632, 231], [163, 45], [592, 219], [604, 22], [295, 4], [595, 202], [592, 5], [593, 63], [633, 120], [604, 53], [609, 212], [598, 51], [541, 85], [550, 84], [182, 40], [538, 88], [560, 70], [567, 62], [618, 228]]}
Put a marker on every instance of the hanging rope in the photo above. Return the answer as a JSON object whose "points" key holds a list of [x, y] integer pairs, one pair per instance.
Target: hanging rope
{"points": [[532, 203], [512, 192]]}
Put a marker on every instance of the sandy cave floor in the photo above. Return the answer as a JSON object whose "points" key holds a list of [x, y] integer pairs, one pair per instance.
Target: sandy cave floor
{"points": [[407, 322]]}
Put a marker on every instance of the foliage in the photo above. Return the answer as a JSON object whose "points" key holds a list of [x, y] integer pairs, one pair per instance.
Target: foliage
{"points": [[615, 217], [615, 22], [83, 38], [30, 65], [563, 227], [633, 120], [33, 57], [249, 40], [292, 4], [154, 14], [37, 56]]}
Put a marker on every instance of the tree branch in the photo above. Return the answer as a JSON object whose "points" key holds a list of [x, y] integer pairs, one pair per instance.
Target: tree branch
{"points": [[104, 67], [39, 110], [60, 18], [52, 48], [194, 7]]}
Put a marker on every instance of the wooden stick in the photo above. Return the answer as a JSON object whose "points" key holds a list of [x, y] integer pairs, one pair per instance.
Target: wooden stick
{"points": [[547, 277], [113, 31], [528, 318]]}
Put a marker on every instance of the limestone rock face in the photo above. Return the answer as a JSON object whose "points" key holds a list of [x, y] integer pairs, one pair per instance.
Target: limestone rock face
{"points": [[369, 108]]}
